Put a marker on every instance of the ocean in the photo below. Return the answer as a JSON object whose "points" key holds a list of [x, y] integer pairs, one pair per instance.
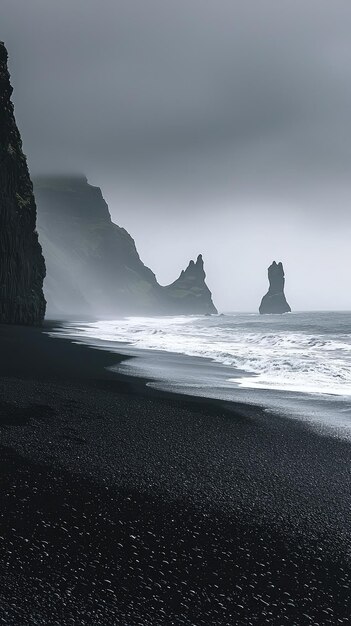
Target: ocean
{"points": [[297, 362]]}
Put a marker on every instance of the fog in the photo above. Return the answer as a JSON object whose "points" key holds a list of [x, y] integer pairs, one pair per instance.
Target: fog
{"points": [[215, 127]]}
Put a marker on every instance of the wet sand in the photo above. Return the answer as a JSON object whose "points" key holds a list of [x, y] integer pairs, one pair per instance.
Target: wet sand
{"points": [[123, 505]]}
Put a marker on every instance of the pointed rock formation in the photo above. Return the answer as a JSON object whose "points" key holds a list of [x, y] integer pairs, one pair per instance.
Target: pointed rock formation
{"points": [[22, 267], [93, 267], [274, 301], [189, 293]]}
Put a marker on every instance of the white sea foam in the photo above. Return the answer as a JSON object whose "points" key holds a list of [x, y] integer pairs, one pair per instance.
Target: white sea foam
{"points": [[307, 352]]}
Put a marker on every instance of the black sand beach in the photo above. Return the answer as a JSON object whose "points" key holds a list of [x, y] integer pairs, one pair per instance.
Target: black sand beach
{"points": [[122, 505]]}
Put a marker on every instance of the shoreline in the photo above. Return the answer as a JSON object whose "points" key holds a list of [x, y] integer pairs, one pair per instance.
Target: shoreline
{"points": [[259, 503], [180, 374]]}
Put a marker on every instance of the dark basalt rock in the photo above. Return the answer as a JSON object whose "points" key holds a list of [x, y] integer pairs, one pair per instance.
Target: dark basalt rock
{"points": [[93, 267], [22, 267], [189, 293], [274, 301]]}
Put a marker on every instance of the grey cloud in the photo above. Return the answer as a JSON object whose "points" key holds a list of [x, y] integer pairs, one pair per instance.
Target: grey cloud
{"points": [[233, 115]]}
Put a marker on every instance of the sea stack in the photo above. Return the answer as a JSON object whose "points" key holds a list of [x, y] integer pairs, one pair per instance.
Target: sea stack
{"points": [[189, 293], [274, 301], [22, 267]]}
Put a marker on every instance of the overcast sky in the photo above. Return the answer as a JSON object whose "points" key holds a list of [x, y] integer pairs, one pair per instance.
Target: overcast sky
{"points": [[213, 126]]}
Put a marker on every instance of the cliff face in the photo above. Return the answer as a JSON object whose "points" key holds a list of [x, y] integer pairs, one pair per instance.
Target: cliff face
{"points": [[92, 264], [22, 267], [93, 267], [274, 301], [189, 293]]}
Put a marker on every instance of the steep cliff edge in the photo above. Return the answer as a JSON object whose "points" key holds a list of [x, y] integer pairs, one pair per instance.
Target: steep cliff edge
{"points": [[93, 267], [274, 301], [22, 267], [189, 293]]}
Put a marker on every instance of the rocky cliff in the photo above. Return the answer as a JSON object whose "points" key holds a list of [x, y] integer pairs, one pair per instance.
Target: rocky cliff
{"points": [[189, 293], [274, 301], [22, 267], [93, 267]]}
